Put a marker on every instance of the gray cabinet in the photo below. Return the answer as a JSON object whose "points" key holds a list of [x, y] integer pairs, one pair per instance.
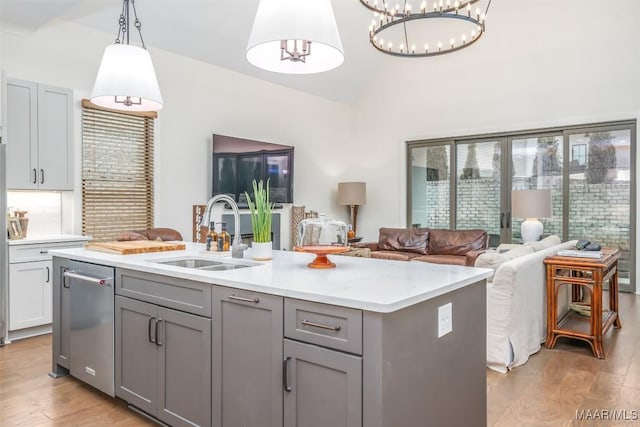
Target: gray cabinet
{"points": [[163, 362], [247, 358], [322, 387], [61, 317], [39, 136]]}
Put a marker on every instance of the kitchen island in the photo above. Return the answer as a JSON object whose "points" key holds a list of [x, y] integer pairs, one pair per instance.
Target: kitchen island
{"points": [[280, 344]]}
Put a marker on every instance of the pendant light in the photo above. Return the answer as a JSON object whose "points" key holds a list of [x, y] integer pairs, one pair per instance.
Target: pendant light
{"points": [[295, 37], [126, 79]]}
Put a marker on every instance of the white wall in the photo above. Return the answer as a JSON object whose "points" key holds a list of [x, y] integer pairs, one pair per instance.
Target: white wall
{"points": [[563, 63], [200, 99]]}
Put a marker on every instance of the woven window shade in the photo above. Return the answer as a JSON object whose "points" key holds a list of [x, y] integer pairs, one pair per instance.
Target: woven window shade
{"points": [[117, 172]]}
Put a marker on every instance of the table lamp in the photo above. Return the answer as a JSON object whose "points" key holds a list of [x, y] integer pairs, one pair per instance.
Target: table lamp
{"points": [[352, 194], [531, 205]]}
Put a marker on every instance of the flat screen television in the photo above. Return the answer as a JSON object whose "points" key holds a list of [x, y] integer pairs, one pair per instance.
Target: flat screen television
{"points": [[237, 162]]}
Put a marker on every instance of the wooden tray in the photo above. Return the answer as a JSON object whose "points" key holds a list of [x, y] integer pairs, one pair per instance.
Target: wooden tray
{"points": [[134, 247]]}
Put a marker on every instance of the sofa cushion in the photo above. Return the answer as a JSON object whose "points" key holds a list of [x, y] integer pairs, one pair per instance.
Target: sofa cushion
{"points": [[456, 242], [545, 243], [403, 239], [493, 259], [394, 255], [442, 259]]}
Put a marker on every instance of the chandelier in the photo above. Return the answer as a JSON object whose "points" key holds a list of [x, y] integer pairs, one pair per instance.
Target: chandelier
{"points": [[421, 28], [126, 78]]}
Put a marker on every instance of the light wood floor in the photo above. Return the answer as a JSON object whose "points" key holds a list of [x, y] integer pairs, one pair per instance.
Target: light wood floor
{"points": [[546, 391]]}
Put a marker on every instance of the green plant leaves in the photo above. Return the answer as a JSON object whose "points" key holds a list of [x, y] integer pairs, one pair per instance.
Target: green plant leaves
{"points": [[260, 209]]}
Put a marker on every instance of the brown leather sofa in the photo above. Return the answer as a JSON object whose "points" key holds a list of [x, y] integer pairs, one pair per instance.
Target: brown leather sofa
{"points": [[150, 234], [459, 247]]}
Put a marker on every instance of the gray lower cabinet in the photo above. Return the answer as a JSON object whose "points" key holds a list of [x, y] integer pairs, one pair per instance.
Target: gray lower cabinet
{"points": [[61, 316], [247, 358], [163, 362], [322, 387]]}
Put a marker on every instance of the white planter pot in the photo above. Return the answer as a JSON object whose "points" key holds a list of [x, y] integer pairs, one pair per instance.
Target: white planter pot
{"points": [[261, 251]]}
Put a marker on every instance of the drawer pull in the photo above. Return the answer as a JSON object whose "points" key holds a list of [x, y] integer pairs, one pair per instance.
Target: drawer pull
{"points": [[48, 274], [41, 176], [320, 325], [44, 252], [73, 275], [251, 300], [35, 176]]}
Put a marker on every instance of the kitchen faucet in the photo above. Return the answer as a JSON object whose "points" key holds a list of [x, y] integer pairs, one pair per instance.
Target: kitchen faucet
{"points": [[237, 247]]}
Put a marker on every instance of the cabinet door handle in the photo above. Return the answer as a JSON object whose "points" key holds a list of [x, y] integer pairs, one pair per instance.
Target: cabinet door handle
{"points": [[320, 325], [158, 343], [151, 340], [41, 176], [44, 252], [48, 274], [501, 219], [287, 386], [255, 300], [509, 220], [35, 175]]}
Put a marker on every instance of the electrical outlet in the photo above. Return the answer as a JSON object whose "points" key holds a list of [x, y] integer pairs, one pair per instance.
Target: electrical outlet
{"points": [[445, 319]]}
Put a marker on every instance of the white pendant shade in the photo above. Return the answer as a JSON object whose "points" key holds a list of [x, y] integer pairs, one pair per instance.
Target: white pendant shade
{"points": [[126, 71], [310, 20]]}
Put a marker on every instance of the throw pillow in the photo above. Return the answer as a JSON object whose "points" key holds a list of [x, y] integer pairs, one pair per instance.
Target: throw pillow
{"points": [[545, 243], [493, 260]]}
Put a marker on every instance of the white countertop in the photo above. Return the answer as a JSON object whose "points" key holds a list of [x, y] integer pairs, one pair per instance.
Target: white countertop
{"points": [[364, 283], [49, 238]]}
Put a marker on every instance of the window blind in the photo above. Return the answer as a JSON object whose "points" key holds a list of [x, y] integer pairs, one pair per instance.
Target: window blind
{"points": [[117, 171]]}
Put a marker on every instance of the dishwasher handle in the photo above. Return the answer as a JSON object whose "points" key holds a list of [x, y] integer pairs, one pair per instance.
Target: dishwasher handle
{"points": [[74, 275]]}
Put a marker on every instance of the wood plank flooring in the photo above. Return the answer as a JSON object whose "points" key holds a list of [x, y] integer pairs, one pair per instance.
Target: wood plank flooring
{"points": [[546, 391]]}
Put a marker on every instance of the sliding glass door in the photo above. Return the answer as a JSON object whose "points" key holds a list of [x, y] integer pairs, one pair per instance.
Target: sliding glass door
{"points": [[464, 183], [600, 191], [537, 164], [478, 187]]}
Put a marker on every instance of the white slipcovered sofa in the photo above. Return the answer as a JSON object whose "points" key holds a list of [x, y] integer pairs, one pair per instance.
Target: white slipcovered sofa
{"points": [[516, 301]]}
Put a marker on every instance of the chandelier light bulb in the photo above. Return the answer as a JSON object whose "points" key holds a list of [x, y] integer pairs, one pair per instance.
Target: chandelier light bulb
{"points": [[464, 38], [423, 6], [453, 42], [469, 9], [439, 45], [413, 48]]}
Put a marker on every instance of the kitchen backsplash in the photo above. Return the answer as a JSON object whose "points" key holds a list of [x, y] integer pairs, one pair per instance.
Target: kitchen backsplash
{"points": [[44, 210]]}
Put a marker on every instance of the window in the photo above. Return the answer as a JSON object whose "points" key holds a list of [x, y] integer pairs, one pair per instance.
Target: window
{"points": [[117, 171], [588, 169]]}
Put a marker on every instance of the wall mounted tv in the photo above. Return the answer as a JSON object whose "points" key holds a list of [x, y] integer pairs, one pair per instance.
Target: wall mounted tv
{"points": [[237, 162]]}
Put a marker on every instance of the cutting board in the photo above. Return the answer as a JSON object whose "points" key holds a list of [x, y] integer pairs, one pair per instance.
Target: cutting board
{"points": [[134, 246]]}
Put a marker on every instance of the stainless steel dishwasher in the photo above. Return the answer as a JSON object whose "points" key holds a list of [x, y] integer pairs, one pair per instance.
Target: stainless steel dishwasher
{"points": [[91, 341]]}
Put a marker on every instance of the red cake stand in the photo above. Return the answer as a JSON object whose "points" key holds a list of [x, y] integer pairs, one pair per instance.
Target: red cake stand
{"points": [[321, 252]]}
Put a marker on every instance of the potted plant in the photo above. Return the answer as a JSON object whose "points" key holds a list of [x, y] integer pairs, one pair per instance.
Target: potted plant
{"points": [[260, 208]]}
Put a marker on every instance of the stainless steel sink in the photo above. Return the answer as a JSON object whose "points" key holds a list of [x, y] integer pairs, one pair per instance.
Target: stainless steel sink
{"points": [[203, 264]]}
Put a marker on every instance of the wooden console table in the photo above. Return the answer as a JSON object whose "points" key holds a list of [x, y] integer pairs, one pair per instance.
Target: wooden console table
{"points": [[586, 276]]}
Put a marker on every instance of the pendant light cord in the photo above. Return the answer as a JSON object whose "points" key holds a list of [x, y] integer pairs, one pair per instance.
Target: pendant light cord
{"points": [[123, 24]]}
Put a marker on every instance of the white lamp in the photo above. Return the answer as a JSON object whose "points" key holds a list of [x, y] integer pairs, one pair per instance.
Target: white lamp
{"points": [[295, 37], [126, 79], [352, 194], [531, 205]]}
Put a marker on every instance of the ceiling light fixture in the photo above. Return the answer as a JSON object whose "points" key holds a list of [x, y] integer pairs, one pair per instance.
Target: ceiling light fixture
{"points": [[434, 27], [126, 79], [295, 37]]}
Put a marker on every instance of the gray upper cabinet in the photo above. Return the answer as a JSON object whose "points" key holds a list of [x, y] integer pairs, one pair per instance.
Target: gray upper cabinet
{"points": [[39, 136], [247, 358]]}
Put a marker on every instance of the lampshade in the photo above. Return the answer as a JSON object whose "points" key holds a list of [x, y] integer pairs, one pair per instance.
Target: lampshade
{"points": [[126, 71], [531, 203], [295, 22], [352, 193]]}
